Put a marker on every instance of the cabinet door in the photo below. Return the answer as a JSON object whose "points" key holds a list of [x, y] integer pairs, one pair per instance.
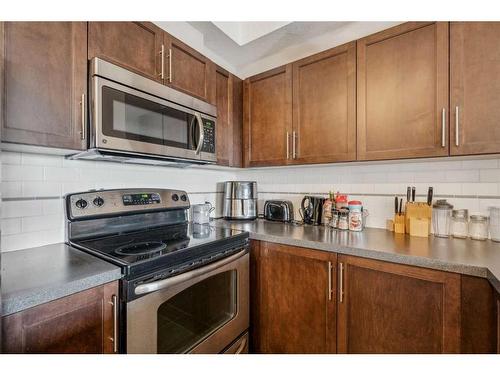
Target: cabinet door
{"points": [[229, 118], [43, 79], [79, 323], [267, 118], [402, 97], [475, 87], [188, 70], [391, 308], [324, 106], [297, 306], [135, 46]]}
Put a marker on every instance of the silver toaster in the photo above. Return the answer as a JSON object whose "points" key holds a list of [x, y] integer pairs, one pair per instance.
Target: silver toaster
{"points": [[277, 210]]}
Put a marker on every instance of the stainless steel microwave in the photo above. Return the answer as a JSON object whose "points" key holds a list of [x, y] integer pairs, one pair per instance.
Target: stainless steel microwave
{"points": [[136, 119]]}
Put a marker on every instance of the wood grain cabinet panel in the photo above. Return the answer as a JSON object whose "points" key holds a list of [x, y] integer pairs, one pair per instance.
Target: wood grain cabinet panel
{"points": [[392, 308], [43, 76], [135, 46], [402, 92], [229, 118], [267, 118], [297, 300], [475, 87], [324, 106], [188, 70], [79, 323]]}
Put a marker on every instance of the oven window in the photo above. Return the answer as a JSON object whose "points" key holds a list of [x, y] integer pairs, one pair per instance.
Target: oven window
{"points": [[193, 314], [131, 117]]}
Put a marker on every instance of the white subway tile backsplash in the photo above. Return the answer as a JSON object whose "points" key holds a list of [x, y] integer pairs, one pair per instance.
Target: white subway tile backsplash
{"points": [[10, 157], [11, 226], [12, 172], [41, 189], [61, 174], [462, 176], [480, 164], [489, 175], [44, 160], [53, 206], [481, 188], [11, 189], [21, 208], [42, 223]]}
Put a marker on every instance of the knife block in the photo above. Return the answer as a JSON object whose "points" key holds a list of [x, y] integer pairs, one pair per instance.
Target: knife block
{"points": [[419, 211], [399, 224]]}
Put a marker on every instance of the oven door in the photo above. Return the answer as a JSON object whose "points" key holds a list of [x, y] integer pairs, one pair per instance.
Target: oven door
{"points": [[125, 119], [200, 311]]}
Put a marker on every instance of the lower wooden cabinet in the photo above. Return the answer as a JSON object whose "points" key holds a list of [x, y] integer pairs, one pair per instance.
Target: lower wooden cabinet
{"points": [[80, 323], [297, 300], [393, 308]]}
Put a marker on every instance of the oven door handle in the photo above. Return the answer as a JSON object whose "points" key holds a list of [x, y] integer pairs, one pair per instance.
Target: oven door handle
{"points": [[171, 281]]}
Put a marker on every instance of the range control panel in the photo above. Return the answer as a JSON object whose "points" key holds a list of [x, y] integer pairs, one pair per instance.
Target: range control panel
{"points": [[209, 136], [95, 203]]}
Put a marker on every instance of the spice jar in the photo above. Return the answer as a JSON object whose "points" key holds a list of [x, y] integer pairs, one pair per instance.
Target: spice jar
{"points": [[478, 228], [355, 216], [334, 222], [343, 223], [441, 218], [495, 223], [460, 223], [341, 201]]}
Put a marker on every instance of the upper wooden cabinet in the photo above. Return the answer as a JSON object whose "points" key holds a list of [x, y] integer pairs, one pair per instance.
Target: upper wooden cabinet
{"points": [[43, 79], [133, 45], [393, 308], [402, 97], [324, 106], [297, 300], [475, 87], [229, 118], [80, 323], [267, 118], [188, 70]]}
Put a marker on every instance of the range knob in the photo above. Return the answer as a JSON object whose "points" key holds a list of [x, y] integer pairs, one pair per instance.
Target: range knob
{"points": [[81, 203], [98, 201], [175, 197], [183, 197]]}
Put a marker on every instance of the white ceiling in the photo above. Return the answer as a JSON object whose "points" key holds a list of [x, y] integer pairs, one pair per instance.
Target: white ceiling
{"points": [[248, 48]]}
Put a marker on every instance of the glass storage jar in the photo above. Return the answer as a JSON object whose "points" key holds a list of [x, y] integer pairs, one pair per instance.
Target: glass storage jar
{"points": [[343, 222], [478, 228], [495, 223], [460, 223], [441, 218]]}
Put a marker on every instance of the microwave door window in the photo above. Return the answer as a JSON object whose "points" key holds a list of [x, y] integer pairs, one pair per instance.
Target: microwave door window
{"points": [[130, 117], [177, 128]]}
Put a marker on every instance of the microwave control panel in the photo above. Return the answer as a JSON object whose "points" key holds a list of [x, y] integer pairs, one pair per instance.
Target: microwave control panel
{"points": [[209, 136]]}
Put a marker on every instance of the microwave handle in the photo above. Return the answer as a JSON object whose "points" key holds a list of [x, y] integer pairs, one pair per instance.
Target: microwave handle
{"points": [[201, 132], [171, 281]]}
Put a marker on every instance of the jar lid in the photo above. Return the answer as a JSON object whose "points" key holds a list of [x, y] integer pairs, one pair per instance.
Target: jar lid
{"points": [[441, 204], [460, 214], [479, 217], [354, 203]]}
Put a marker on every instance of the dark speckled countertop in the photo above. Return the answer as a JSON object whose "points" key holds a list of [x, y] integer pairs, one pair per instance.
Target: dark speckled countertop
{"points": [[469, 257], [42, 274]]}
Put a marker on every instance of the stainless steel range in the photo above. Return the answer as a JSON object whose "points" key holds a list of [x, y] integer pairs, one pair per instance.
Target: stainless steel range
{"points": [[185, 286]]}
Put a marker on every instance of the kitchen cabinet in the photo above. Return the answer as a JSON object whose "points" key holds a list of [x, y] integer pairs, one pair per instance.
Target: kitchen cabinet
{"points": [[80, 323], [475, 87], [324, 106], [267, 118], [229, 118], [255, 292], [297, 300], [188, 70], [392, 308], [135, 46], [402, 92], [43, 81]]}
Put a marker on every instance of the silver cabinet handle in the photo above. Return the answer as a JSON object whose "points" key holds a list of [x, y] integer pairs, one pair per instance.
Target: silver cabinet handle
{"points": [[287, 145], [294, 152], [83, 108], [457, 139], [341, 282], [443, 128], [201, 132], [114, 303], [170, 73], [242, 346], [162, 69], [330, 282], [171, 281]]}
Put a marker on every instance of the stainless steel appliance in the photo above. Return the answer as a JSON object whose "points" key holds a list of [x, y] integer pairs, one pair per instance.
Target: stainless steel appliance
{"points": [[240, 200], [135, 119], [276, 210], [311, 209], [185, 287]]}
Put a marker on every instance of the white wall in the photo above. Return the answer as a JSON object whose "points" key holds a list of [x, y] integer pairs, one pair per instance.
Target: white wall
{"points": [[33, 186]]}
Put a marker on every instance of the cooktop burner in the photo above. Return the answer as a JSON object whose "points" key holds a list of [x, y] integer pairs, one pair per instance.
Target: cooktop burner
{"points": [[141, 248]]}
